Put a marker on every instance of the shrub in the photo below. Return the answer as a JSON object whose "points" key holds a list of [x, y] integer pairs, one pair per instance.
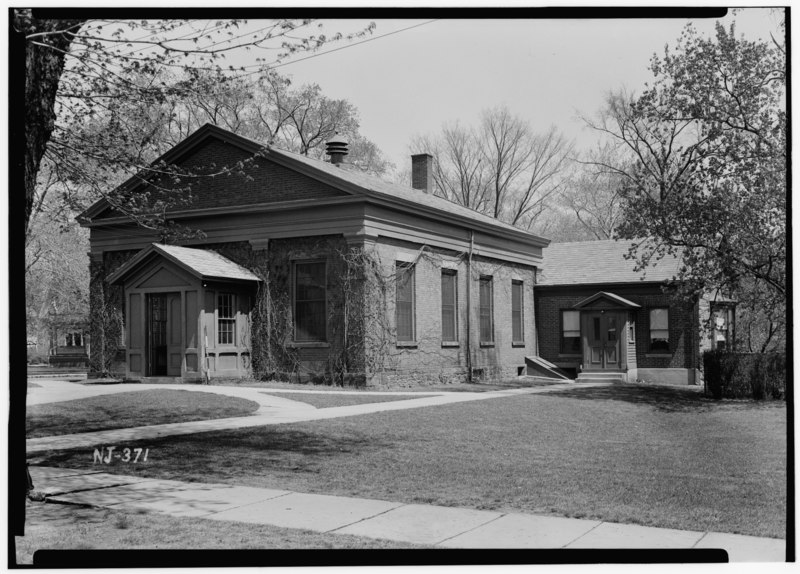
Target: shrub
{"points": [[35, 358], [745, 375]]}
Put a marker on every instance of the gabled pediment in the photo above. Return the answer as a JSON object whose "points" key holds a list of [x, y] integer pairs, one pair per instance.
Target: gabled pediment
{"points": [[162, 277], [185, 261], [258, 180], [605, 300]]}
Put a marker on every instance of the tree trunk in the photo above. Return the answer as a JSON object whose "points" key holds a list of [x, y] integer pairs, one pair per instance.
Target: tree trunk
{"points": [[44, 64]]}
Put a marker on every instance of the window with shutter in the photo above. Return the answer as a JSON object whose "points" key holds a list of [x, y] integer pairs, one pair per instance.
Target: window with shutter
{"points": [[449, 306], [310, 321], [404, 301], [517, 331], [486, 310]]}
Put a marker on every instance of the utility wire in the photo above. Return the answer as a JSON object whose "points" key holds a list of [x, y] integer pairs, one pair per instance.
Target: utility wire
{"points": [[352, 45]]}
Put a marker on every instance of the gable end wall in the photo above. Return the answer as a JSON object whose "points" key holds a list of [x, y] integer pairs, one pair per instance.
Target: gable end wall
{"points": [[260, 181]]}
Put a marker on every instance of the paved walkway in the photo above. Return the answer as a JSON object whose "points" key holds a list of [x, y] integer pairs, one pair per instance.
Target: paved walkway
{"points": [[439, 526], [272, 409]]}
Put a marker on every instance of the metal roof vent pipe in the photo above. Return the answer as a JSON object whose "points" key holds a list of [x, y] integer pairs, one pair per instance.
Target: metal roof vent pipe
{"points": [[336, 147]]}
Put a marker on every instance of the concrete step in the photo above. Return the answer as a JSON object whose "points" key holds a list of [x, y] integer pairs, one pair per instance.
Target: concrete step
{"points": [[161, 380], [600, 376]]}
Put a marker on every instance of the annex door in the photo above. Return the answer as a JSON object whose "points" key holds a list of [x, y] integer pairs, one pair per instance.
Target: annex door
{"points": [[601, 333], [164, 335]]}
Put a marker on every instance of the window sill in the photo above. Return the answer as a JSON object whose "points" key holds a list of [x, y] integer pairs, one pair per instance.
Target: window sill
{"points": [[570, 355], [309, 345], [408, 344], [658, 355], [487, 343], [518, 343], [451, 344]]}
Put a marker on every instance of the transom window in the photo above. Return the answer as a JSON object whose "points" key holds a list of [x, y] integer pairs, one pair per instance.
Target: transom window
{"points": [[570, 332], [226, 318], [659, 330], [310, 322]]}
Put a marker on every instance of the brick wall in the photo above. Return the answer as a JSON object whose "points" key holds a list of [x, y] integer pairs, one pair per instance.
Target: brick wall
{"points": [[258, 181], [683, 323], [429, 359]]}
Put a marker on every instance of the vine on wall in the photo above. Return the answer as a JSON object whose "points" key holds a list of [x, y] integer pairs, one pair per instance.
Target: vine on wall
{"points": [[272, 357]]}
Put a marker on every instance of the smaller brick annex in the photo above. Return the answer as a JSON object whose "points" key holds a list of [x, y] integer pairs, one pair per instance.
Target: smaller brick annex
{"points": [[597, 315]]}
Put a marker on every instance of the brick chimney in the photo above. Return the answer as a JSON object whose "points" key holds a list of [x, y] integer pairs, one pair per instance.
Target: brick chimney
{"points": [[422, 172], [336, 147]]}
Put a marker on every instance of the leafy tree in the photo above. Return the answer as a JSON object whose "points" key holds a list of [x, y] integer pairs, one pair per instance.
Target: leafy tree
{"points": [[703, 167], [502, 168], [78, 70], [56, 271], [592, 199], [457, 171]]}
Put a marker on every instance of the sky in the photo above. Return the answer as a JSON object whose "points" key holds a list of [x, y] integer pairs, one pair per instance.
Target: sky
{"points": [[546, 71]]}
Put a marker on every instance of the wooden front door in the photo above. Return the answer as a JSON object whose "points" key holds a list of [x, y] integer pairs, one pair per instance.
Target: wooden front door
{"points": [[601, 334], [164, 335]]}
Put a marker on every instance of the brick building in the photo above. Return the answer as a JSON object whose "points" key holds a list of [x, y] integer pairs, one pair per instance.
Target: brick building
{"points": [[312, 269], [597, 317]]}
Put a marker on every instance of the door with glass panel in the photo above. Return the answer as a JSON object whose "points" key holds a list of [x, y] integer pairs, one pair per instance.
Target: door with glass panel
{"points": [[601, 331]]}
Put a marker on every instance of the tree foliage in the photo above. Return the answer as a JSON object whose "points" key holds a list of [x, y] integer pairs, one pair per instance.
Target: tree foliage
{"points": [[502, 167], [703, 166], [591, 197], [100, 95]]}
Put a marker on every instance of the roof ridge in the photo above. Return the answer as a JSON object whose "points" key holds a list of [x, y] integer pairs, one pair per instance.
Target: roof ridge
{"points": [[589, 241]]}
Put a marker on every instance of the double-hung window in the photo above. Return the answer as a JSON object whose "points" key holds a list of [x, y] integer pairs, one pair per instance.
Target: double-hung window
{"points": [[404, 301], [659, 330], [570, 332], [486, 300], [517, 330], [226, 318], [722, 324], [449, 306], [310, 322]]}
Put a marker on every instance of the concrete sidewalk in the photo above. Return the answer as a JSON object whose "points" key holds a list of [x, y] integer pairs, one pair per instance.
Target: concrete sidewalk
{"points": [[444, 527], [272, 410]]}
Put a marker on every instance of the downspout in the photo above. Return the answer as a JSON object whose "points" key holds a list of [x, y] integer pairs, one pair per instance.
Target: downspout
{"points": [[469, 307], [535, 314]]}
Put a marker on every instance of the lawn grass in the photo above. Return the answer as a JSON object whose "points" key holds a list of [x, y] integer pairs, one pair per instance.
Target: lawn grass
{"points": [[323, 400], [33, 385], [477, 387], [68, 527], [644, 455], [137, 408]]}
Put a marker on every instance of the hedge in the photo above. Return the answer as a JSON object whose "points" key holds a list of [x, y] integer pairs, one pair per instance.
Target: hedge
{"points": [[734, 375]]}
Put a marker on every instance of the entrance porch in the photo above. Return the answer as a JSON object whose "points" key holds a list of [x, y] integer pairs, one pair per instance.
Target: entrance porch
{"points": [[608, 339], [187, 314]]}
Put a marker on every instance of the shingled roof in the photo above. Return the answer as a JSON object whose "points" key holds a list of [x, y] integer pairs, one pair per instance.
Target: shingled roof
{"points": [[201, 263], [346, 178], [377, 186], [598, 262]]}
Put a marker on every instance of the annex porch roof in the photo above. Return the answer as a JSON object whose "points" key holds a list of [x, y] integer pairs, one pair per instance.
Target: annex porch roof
{"points": [[202, 263], [608, 298]]}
